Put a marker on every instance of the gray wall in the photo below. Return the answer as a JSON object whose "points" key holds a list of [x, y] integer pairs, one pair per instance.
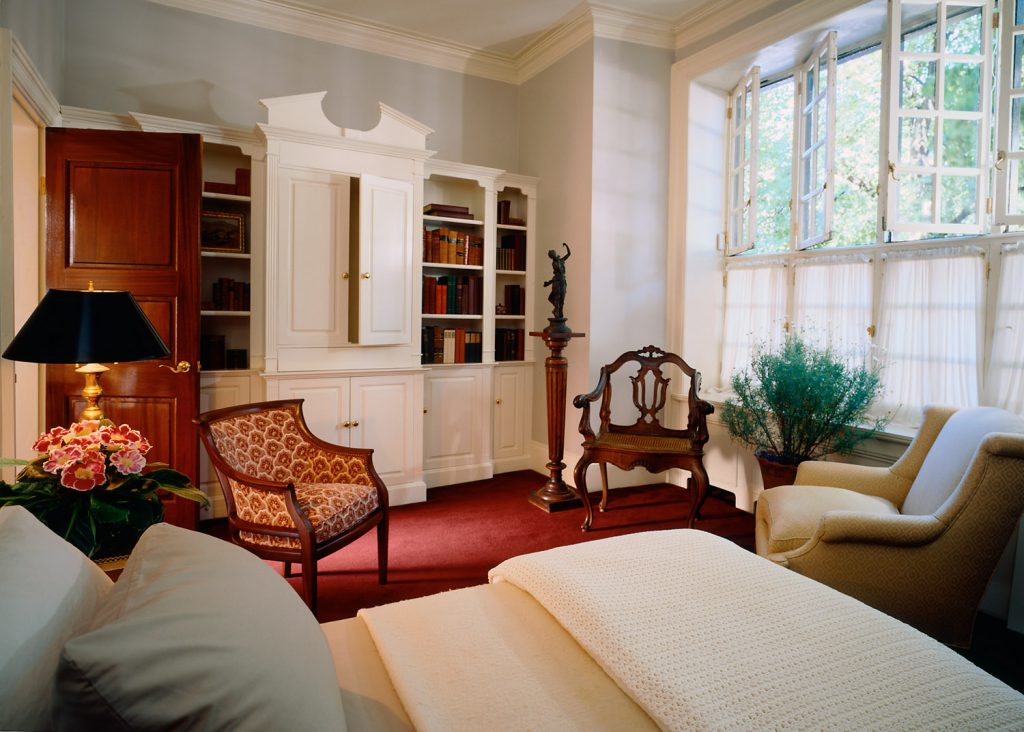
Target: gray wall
{"points": [[39, 27], [556, 135], [132, 56], [630, 199]]}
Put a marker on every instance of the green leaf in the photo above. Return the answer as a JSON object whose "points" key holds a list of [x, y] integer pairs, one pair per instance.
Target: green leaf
{"points": [[144, 514], [7, 462], [107, 513]]}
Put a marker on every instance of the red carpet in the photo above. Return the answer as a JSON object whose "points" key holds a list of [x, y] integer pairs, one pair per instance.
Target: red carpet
{"points": [[462, 531]]}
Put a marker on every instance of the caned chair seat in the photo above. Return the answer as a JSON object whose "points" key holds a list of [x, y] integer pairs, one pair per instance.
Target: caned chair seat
{"points": [[332, 508], [292, 497], [645, 442]]}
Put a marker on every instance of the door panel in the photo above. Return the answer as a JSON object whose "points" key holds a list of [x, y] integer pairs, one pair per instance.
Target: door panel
{"points": [[122, 212]]}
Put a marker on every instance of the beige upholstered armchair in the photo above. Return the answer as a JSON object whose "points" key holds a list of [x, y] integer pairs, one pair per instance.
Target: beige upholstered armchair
{"points": [[291, 496], [919, 540]]}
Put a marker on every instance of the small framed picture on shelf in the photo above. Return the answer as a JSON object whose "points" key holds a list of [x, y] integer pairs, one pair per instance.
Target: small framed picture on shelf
{"points": [[222, 231]]}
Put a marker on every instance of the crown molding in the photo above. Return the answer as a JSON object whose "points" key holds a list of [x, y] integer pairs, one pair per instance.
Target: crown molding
{"points": [[93, 119], [586, 21], [556, 42], [341, 30], [246, 140], [278, 134], [483, 176], [619, 25], [31, 88]]}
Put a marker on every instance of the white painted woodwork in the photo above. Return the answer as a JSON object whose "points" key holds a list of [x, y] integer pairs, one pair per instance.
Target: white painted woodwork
{"points": [[385, 266], [216, 391], [456, 428], [313, 258], [511, 405], [380, 411]]}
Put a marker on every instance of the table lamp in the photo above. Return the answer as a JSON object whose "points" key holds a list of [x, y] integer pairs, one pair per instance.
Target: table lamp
{"points": [[87, 327]]}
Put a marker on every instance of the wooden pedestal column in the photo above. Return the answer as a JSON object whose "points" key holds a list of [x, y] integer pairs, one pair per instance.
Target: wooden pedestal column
{"points": [[554, 495]]}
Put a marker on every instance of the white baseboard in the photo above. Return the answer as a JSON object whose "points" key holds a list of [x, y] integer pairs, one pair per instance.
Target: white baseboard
{"points": [[508, 465], [414, 492], [457, 474]]}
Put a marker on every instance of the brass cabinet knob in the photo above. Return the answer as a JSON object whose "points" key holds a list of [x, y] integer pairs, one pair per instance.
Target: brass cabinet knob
{"points": [[344, 275], [356, 423], [497, 401], [366, 275], [346, 424]]}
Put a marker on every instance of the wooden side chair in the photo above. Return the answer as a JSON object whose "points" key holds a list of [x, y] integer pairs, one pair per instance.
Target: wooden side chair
{"points": [[646, 442], [291, 496]]}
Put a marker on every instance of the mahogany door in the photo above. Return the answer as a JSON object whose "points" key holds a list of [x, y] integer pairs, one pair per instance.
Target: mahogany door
{"points": [[122, 212]]}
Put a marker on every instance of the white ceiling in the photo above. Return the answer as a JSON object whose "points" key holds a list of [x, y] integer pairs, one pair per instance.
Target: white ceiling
{"points": [[499, 26]]}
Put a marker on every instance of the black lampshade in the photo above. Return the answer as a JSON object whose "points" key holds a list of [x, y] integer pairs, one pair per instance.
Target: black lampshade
{"points": [[86, 326]]}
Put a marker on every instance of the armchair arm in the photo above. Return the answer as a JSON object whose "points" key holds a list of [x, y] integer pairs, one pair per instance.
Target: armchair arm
{"points": [[583, 401], [837, 527], [872, 481], [253, 497]]}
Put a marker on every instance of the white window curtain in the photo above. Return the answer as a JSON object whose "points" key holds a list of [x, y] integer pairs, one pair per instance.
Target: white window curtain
{"points": [[1005, 383], [832, 303], [932, 314], [755, 312]]}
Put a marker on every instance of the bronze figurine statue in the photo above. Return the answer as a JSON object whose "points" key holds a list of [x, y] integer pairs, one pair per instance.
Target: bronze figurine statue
{"points": [[557, 295]]}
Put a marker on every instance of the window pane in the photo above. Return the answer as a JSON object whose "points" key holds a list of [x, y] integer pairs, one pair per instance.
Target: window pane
{"points": [[1018, 51], [919, 35], [959, 199], [1018, 12], [915, 198], [960, 143], [1016, 192], [1017, 124], [917, 84], [858, 126], [962, 91], [774, 166], [963, 30], [917, 141]]}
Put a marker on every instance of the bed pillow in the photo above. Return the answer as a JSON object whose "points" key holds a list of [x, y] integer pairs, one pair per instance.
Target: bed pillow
{"points": [[198, 634], [50, 593]]}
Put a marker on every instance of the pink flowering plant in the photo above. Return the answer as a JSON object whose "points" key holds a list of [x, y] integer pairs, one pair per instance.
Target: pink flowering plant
{"points": [[90, 485]]}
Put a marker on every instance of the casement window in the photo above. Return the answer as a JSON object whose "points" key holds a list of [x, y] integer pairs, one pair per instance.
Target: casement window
{"points": [[1005, 382], [930, 332], [1009, 164], [755, 311], [741, 156], [815, 117], [894, 142], [939, 101]]}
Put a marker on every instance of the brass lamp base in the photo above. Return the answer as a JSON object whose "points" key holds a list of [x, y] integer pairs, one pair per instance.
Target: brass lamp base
{"points": [[92, 391]]}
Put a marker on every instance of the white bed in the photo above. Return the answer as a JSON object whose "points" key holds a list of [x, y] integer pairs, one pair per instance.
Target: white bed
{"points": [[671, 630]]}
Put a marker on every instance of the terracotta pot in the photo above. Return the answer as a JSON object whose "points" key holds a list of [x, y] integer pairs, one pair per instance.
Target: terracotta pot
{"points": [[775, 473]]}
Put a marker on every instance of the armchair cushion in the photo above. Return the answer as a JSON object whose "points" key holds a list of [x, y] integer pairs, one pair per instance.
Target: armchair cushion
{"points": [[951, 454], [331, 507], [789, 515]]}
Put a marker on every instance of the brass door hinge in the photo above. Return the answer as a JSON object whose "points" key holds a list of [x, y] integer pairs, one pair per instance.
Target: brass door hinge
{"points": [[42, 185]]}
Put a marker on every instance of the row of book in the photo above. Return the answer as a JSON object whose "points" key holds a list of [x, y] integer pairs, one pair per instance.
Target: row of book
{"points": [[449, 246], [450, 345], [447, 210], [509, 344], [515, 300], [214, 354], [512, 252], [228, 294], [452, 295]]}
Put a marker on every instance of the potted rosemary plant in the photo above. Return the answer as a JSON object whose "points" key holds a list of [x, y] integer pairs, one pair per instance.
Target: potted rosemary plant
{"points": [[800, 403]]}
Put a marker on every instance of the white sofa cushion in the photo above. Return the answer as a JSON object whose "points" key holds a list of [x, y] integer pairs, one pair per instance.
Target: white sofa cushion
{"points": [[50, 593], [951, 454], [198, 634]]}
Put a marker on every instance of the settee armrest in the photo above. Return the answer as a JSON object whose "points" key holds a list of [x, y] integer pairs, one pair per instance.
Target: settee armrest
{"points": [[869, 480], [837, 527]]}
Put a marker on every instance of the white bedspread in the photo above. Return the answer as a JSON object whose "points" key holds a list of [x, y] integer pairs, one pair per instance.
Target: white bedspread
{"points": [[704, 635]]}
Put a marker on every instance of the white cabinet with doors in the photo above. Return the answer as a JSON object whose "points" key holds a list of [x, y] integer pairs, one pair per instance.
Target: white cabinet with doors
{"points": [[456, 426], [512, 401], [381, 410]]}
